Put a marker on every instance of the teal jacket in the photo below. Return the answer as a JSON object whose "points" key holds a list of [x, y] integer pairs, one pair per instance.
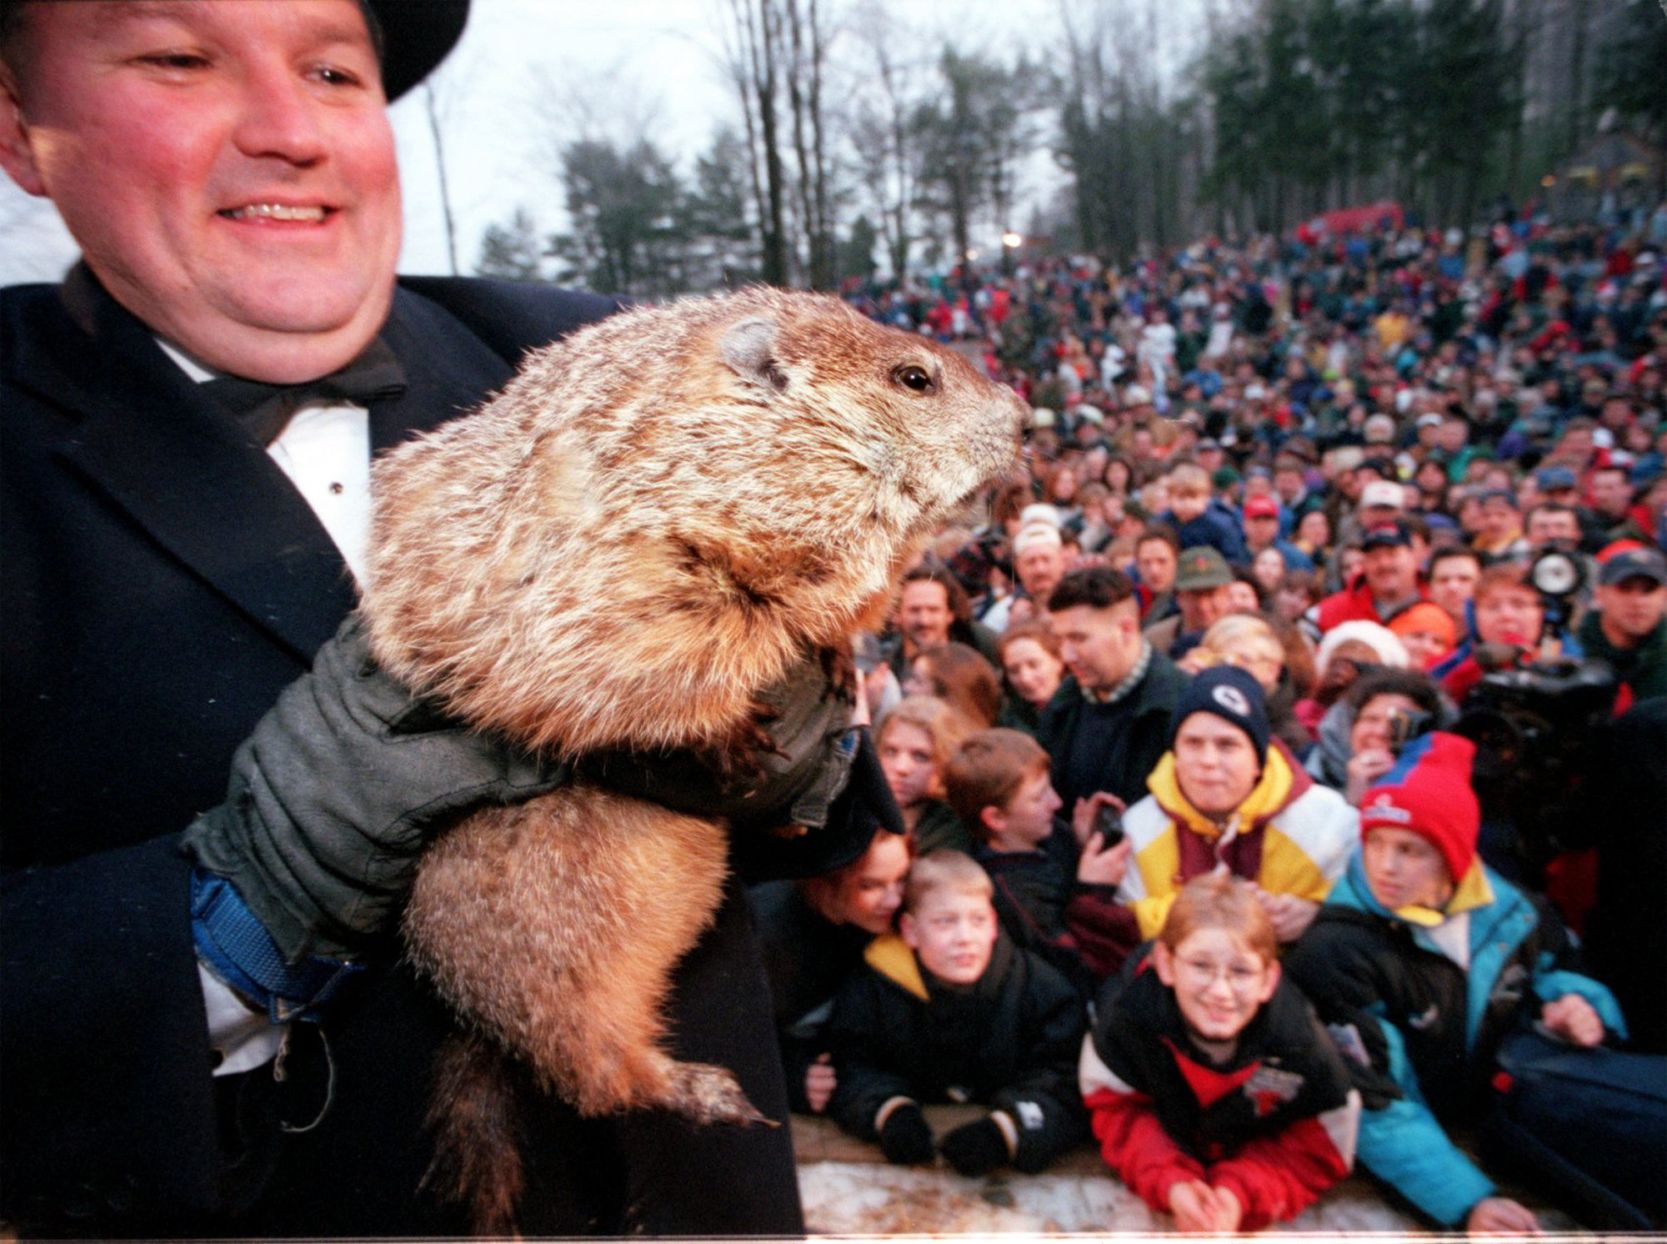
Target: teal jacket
{"points": [[1422, 1028]]}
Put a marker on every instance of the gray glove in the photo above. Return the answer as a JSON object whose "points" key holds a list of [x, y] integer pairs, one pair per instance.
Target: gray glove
{"points": [[335, 793], [810, 729]]}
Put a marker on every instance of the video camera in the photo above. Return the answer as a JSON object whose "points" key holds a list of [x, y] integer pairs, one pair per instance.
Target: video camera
{"points": [[1532, 725]]}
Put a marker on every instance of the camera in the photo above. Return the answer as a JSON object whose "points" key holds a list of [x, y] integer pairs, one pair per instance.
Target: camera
{"points": [[1531, 725], [1405, 725], [1108, 823]]}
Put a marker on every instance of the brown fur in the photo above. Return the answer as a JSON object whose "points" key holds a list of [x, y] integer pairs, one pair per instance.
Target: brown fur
{"points": [[648, 527]]}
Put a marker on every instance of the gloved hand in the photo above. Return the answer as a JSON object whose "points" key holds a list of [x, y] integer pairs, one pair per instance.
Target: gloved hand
{"points": [[975, 1148], [905, 1137], [810, 729], [331, 800]]}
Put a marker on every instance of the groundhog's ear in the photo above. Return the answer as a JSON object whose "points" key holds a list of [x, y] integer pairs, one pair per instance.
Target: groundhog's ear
{"points": [[749, 349]]}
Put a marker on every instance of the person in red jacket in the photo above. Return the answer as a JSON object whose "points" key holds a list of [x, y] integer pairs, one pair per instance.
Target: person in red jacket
{"points": [[1214, 1093], [1388, 583]]}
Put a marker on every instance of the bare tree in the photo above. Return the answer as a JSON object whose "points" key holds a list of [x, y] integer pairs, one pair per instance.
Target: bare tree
{"points": [[432, 108], [804, 93], [754, 38], [883, 130]]}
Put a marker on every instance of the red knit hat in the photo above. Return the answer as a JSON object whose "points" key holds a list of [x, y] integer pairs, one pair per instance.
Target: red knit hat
{"points": [[1428, 792]]}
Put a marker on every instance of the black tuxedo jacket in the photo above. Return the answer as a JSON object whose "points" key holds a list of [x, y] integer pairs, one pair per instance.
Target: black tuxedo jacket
{"points": [[161, 582]]}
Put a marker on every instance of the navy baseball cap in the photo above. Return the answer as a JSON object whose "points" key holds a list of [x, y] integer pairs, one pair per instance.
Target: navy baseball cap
{"points": [[1634, 564], [1387, 535]]}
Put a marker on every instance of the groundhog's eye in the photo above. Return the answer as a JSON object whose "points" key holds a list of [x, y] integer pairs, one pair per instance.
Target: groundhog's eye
{"points": [[912, 376]]}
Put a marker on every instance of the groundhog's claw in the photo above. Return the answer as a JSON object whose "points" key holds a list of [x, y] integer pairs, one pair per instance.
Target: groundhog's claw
{"points": [[708, 1094]]}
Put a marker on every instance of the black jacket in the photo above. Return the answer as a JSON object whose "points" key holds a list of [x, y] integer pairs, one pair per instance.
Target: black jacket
{"points": [[1010, 1042], [161, 583], [1130, 737], [807, 959]]}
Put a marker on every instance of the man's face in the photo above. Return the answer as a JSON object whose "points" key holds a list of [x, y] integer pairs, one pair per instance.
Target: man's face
{"points": [[1453, 583], [1499, 519], [1040, 568], [1100, 646], [1546, 526], [953, 933], [1260, 530], [1631, 609], [227, 168], [1202, 606], [1576, 445], [1215, 763], [1610, 492], [924, 613], [1156, 562], [1509, 615], [1391, 571], [1452, 435]]}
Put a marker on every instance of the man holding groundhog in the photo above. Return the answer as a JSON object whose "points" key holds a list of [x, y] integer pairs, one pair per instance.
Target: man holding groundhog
{"points": [[178, 542]]}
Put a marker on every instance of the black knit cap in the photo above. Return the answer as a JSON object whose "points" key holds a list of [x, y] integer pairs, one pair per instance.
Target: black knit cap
{"points": [[1232, 695]]}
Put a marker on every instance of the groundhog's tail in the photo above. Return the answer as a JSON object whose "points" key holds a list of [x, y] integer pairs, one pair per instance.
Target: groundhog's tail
{"points": [[475, 1122]]}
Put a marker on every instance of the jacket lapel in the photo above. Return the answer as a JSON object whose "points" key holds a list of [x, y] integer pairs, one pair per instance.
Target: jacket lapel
{"points": [[141, 433]]}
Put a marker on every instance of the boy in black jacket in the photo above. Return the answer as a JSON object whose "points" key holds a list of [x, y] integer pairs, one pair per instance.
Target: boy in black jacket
{"points": [[1051, 896], [950, 1011]]}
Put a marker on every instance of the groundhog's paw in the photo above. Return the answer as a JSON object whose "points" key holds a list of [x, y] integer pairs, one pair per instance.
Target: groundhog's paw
{"points": [[708, 1094], [738, 757]]}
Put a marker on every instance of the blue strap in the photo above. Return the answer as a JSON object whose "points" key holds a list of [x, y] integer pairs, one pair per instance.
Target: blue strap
{"points": [[238, 949]]}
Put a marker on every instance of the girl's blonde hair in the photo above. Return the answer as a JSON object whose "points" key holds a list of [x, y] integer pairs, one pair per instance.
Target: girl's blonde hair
{"points": [[943, 725]]}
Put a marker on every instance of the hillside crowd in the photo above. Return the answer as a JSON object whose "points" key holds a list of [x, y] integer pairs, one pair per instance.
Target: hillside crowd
{"points": [[1317, 647]]}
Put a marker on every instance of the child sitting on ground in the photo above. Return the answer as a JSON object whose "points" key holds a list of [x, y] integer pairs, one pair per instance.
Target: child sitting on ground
{"points": [[1215, 1094], [948, 1010], [915, 740], [1443, 981], [1052, 896]]}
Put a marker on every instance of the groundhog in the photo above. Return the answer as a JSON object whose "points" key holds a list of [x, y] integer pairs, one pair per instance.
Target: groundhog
{"points": [[654, 521]]}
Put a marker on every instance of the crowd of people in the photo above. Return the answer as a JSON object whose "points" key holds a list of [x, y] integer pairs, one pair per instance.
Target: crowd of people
{"points": [[1224, 801], [1319, 647]]}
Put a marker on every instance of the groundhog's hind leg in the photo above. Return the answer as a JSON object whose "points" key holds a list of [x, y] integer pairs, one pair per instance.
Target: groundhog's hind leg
{"points": [[556, 925]]}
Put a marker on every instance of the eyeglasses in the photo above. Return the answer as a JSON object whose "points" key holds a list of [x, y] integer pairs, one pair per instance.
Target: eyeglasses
{"points": [[1202, 975]]}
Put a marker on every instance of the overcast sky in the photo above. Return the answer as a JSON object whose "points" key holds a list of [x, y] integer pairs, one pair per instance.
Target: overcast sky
{"points": [[506, 101]]}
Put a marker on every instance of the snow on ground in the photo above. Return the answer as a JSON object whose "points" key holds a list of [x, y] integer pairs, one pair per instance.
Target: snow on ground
{"points": [[849, 1198], [848, 1189]]}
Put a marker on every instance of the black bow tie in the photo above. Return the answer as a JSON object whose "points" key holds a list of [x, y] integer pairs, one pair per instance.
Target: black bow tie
{"points": [[264, 410]]}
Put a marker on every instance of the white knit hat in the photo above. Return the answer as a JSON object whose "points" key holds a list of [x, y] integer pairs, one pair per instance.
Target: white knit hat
{"points": [[1380, 639]]}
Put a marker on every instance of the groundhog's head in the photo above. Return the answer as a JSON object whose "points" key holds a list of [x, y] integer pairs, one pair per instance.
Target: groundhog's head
{"points": [[661, 511]]}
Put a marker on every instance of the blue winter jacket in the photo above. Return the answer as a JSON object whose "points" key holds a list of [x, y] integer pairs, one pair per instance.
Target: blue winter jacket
{"points": [[1423, 1028]]}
